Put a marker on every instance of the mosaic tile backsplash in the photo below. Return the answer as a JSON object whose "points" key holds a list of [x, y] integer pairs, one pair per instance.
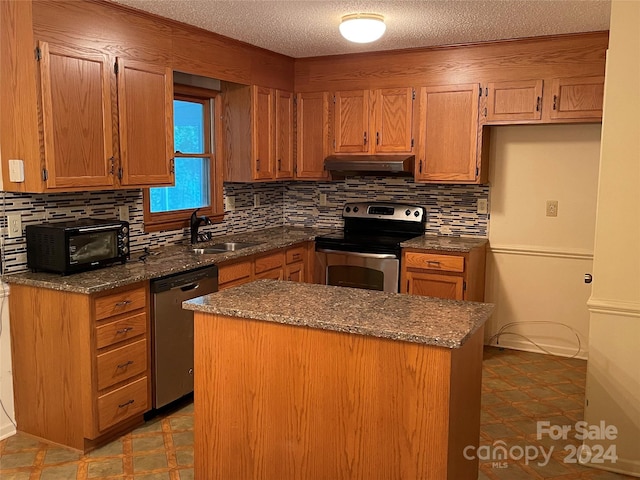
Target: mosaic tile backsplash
{"points": [[451, 209]]}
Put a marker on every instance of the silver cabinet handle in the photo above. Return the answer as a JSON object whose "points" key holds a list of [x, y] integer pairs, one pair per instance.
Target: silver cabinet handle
{"points": [[122, 405], [125, 364], [433, 262], [124, 330], [123, 303]]}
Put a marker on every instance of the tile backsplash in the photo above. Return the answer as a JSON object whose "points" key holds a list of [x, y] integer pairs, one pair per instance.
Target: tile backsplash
{"points": [[451, 209]]}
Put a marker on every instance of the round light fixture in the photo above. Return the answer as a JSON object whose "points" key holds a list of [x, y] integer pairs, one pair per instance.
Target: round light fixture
{"points": [[362, 27]]}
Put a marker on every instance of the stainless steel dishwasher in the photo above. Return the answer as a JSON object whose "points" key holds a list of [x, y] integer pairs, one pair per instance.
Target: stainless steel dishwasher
{"points": [[172, 326]]}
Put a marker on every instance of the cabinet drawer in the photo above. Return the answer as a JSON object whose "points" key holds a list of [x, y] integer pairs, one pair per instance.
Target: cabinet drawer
{"points": [[433, 261], [122, 363], [295, 254], [120, 302], [114, 332], [122, 403], [269, 262]]}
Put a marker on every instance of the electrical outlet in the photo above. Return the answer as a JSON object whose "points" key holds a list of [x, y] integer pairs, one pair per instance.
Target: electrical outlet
{"points": [[552, 208], [230, 203], [14, 224], [483, 206], [123, 213], [256, 199], [323, 200]]}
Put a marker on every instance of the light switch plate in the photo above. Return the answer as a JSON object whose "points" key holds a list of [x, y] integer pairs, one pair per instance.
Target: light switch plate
{"points": [[123, 213], [230, 203], [323, 200], [256, 199], [16, 170]]}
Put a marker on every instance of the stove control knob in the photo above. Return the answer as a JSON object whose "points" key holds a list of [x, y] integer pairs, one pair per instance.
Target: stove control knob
{"points": [[407, 213], [416, 213], [348, 209], [355, 209]]}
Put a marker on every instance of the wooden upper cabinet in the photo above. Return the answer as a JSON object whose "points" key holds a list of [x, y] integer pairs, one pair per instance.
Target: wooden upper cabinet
{"points": [[514, 101], [449, 134], [393, 113], [263, 130], [376, 121], [284, 134], [258, 126], [76, 117], [312, 135], [577, 98], [145, 115], [351, 121]]}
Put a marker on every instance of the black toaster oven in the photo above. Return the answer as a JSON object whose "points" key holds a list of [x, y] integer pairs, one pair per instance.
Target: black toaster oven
{"points": [[77, 245]]}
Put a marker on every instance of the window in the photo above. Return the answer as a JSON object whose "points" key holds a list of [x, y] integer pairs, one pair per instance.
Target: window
{"points": [[197, 182]]}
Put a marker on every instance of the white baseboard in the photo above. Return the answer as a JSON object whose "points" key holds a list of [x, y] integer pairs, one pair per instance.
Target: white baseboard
{"points": [[6, 429], [524, 346]]}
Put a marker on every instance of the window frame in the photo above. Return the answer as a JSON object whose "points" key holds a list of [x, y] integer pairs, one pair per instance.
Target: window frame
{"points": [[212, 102]]}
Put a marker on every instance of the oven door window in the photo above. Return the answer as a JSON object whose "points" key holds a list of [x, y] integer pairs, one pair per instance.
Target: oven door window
{"points": [[358, 270], [92, 247], [356, 277]]}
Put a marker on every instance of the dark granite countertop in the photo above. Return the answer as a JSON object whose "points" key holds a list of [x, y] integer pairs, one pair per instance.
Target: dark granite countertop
{"points": [[411, 318], [163, 261], [180, 258], [445, 244]]}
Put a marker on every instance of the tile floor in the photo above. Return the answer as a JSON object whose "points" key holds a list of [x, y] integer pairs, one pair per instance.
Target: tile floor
{"points": [[518, 389]]}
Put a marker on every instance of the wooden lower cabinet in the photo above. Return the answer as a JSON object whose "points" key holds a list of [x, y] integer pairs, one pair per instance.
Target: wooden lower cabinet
{"points": [[292, 263], [82, 361], [450, 275], [305, 403], [435, 285]]}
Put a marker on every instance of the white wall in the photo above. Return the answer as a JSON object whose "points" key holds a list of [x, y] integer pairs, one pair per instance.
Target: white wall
{"points": [[613, 369], [6, 386], [536, 264]]}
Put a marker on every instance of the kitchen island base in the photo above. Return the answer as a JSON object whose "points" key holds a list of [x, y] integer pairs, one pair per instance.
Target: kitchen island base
{"points": [[277, 401]]}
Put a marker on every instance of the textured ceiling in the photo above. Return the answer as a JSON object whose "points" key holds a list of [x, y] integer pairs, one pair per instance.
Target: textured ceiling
{"points": [[310, 28]]}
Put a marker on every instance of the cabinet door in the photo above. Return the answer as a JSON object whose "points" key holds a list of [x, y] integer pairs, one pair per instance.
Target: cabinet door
{"points": [[449, 134], [312, 113], [512, 101], [434, 285], [580, 97], [277, 274], [295, 272], [145, 114], [393, 113], [263, 124], [284, 134], [351, 122], [76, 117]]}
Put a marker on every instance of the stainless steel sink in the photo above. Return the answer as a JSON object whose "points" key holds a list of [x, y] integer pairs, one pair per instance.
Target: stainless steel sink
{"points": [[224, 247]]}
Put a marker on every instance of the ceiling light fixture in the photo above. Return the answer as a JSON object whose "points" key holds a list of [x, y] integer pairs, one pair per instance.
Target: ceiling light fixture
{"points": [[362, 27]]}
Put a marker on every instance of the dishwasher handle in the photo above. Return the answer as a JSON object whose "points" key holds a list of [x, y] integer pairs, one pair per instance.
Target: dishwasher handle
{"points": [[186, 288]]}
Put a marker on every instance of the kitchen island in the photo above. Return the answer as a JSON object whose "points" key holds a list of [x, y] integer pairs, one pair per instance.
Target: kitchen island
{"points": [[302, 381]]}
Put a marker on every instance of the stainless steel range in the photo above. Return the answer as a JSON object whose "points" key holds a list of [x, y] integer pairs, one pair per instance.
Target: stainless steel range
{"points": [[366, 254]]}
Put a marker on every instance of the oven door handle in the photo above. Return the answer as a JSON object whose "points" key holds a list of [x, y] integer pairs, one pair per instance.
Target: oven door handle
{"points": [[357, 254]]}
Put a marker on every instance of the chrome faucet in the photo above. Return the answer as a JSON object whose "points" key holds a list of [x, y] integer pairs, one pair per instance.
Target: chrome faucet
{"points": [[194, 224]]}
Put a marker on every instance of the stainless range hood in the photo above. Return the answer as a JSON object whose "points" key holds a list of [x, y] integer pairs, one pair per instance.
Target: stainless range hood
{"points": [[370, 164]]}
